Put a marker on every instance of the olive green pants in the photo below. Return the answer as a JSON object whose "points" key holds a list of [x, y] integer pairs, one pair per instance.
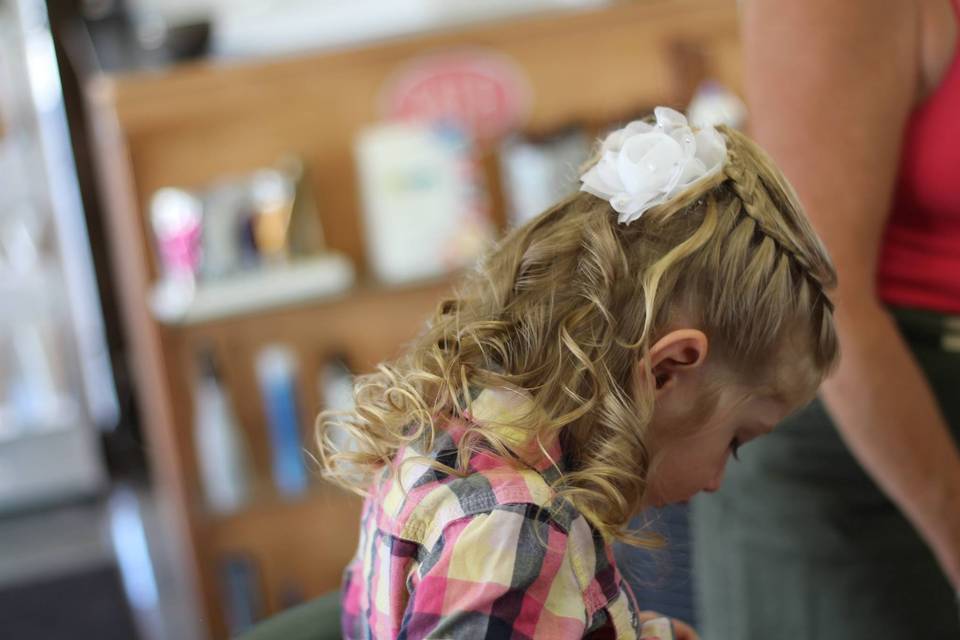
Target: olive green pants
{"points": [[800, 544]]}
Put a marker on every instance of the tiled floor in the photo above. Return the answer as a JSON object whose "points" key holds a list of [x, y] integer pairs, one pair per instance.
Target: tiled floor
{"points": [[49, 543], [127, 531]]}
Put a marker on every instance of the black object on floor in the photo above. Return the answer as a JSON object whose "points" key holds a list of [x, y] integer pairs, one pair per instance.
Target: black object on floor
{"points": [[87, 604]]}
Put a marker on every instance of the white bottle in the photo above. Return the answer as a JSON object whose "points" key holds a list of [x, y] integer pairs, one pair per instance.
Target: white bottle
{"points": [[221, 453]]}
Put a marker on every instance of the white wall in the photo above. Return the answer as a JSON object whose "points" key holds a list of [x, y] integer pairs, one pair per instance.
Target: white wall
{"points": [[271, 27]]}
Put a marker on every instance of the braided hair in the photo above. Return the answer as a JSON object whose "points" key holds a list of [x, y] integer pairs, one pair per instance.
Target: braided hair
{"points": [[566, 307]]}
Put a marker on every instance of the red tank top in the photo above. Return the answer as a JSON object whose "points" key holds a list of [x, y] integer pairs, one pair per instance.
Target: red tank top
{"points": [[920, 256]]}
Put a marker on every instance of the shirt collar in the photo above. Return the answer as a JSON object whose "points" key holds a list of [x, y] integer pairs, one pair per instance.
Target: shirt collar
{"points": [[498, 409]]}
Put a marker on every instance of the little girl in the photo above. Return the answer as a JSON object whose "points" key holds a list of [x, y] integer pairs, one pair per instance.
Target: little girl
{"points": [[608, 356]]}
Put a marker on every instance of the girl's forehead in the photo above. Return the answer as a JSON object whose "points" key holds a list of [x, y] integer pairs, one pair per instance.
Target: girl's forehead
{"points": [[786, 392], [789, 375]]}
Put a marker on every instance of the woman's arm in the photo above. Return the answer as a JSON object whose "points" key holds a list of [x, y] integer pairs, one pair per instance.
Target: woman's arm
{"points": [[830, 86]]}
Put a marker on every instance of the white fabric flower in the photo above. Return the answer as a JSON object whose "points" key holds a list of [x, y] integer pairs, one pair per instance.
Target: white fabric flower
{"points": [[644, 165]]}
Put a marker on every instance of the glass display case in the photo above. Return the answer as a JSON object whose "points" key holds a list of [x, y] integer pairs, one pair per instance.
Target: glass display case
{"points": [[56, 386]]}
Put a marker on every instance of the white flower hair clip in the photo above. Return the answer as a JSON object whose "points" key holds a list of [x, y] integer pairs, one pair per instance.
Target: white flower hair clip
{"points": [[643, 165]]}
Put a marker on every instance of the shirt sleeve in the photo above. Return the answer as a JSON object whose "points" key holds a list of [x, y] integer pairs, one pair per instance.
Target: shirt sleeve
{"points": [[506, 573]]}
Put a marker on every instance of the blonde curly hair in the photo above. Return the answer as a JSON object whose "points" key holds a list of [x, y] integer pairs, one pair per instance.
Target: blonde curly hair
{"points": [[566, 306]]}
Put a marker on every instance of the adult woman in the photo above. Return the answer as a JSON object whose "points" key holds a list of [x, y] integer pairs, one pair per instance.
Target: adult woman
{"points": [[858, 102]]}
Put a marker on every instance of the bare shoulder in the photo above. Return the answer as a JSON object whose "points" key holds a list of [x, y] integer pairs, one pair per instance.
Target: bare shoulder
{"points": [[938, 21], [847, 52], [853, 37]]}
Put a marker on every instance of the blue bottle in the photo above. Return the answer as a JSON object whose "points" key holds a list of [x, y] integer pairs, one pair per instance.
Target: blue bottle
{"points": [[277, 373]]}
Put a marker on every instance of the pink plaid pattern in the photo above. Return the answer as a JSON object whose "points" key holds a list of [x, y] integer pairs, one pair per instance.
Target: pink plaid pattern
{"points": [[481, 556]]}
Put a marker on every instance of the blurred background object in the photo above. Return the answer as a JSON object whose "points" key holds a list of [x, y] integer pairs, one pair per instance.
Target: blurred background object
{"points": [[215, 214], [425, 211], [539, 170], [248, 28], [61, 424], [56, 386]]}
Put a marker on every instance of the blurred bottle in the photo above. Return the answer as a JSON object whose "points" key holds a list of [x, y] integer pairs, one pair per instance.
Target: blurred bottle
{"points": [[335, 387], [177, 219], [36, 392], [272, 195], [335, 384], [221, 451], [242, 595], [539, 170], [277, 373], [176, 216], [714, 104]]}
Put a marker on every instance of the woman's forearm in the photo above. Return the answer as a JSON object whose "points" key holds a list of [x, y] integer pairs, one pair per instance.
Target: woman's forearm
{"points": [[887, 414]]}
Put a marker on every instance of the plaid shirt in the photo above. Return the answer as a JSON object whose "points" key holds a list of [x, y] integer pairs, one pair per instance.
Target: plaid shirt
{"points": [[477, 557]]}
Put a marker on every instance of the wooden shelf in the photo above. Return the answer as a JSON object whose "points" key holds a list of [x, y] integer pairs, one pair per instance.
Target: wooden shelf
{"points": [[189, 126], [261, 290], [361, 298], [298, 545]]}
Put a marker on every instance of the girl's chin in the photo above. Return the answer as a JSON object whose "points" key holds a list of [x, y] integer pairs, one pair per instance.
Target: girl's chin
{"points": [[659, 501], [656, 502]]}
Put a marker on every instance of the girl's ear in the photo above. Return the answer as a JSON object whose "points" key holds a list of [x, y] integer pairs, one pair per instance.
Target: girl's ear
{"points": [[677, 356]]}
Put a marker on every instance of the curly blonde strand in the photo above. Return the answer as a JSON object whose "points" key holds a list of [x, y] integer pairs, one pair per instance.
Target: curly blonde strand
{"points": [[565, 308]]}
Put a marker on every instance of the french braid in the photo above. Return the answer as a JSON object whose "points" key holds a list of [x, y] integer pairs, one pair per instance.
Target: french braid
{"points": [[565, 308], [763, 201]]}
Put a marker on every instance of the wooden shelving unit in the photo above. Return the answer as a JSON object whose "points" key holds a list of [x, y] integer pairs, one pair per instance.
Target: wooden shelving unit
{"points": [[188, 125]]}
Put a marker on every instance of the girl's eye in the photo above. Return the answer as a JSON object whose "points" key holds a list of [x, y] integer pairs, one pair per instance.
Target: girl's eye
{"points": [[735, 449]]}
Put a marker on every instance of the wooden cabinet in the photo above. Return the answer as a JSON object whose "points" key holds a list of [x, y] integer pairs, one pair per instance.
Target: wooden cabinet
{"points": [[188, 125]]}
